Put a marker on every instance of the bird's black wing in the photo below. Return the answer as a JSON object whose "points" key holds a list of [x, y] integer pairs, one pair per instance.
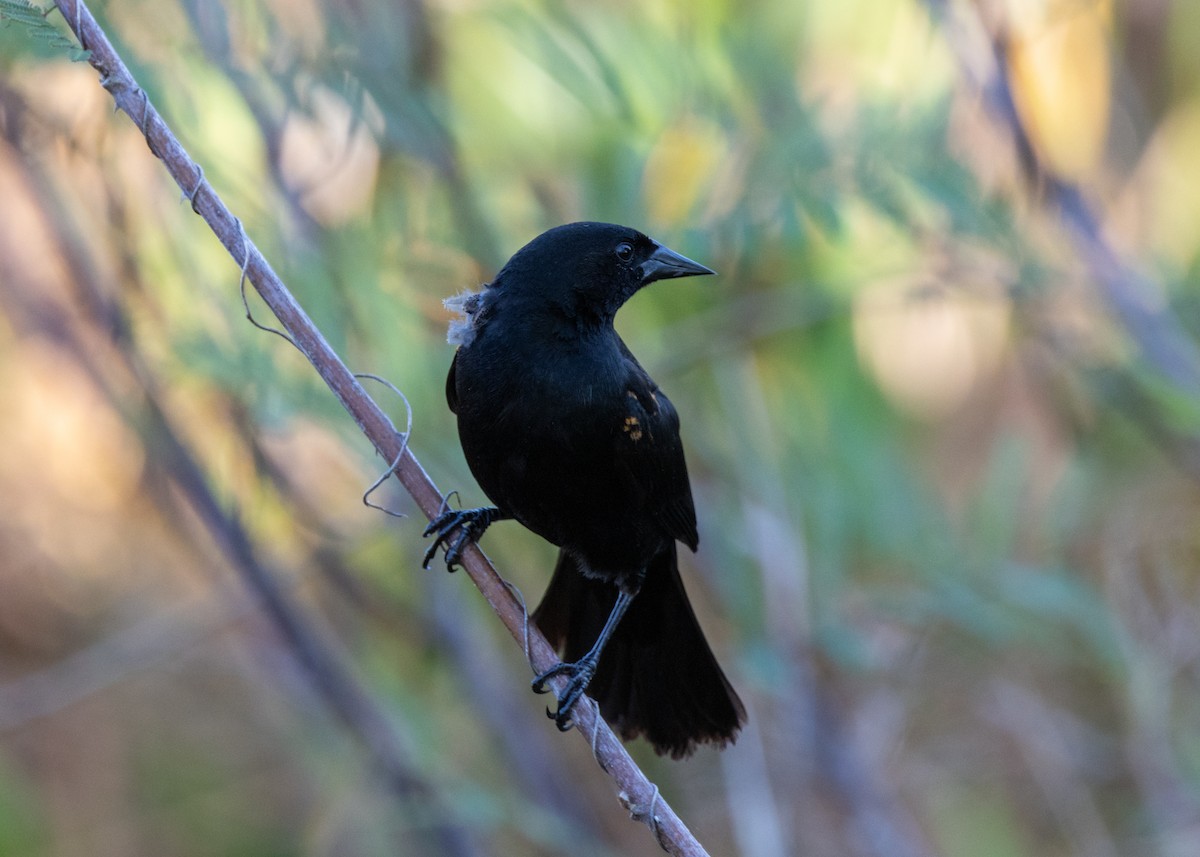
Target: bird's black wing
{"points": [[452, 385], [649, 447]]}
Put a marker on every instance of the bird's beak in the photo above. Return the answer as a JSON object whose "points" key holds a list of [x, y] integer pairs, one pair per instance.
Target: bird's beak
{"points": [[665, 264]]}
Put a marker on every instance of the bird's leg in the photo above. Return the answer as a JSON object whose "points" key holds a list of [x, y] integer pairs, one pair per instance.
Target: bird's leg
{"points": [[582, 670], [470, 524]]}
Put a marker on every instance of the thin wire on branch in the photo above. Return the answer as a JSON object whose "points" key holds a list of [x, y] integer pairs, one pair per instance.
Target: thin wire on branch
{"points": [[634, 789]]}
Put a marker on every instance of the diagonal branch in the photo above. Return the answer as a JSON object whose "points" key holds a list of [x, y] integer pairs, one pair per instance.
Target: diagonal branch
{"points": [[635, 791]]}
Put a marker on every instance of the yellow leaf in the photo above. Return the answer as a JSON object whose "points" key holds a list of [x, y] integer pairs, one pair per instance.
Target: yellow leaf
{"points": [[1060, 72]]}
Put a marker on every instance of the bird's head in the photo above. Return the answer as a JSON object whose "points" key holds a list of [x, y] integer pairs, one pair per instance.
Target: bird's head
{"points": [[586, 271]]}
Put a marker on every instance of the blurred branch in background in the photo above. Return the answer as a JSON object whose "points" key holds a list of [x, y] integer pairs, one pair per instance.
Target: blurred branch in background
{"points": [[990, 61], [938, 410]]}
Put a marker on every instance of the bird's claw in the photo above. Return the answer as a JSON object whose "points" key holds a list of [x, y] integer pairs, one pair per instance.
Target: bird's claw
{"points": [[470, 524], [563, 724], [581, 674], [444, 525]]}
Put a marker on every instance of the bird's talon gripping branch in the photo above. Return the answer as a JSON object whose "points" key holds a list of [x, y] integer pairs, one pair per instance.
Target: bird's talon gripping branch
{"points": [[539, 683], [563, 724], [470, 524], [581, 674]]}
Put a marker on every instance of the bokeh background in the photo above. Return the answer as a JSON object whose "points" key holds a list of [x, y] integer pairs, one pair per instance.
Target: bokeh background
{"points": [[940, 406]]}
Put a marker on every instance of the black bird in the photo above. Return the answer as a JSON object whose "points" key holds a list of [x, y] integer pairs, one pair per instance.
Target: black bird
{"points": [[567, 434]]}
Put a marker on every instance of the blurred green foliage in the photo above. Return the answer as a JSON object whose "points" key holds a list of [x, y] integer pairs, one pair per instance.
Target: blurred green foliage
{"points": [[947, 506]]}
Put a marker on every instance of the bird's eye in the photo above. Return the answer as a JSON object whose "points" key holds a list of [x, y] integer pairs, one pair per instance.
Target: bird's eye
{"points": [[624, 251]]}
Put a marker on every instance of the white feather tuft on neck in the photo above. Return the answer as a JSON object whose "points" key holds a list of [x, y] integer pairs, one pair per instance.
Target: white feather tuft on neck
{"points": [[467, 304]]}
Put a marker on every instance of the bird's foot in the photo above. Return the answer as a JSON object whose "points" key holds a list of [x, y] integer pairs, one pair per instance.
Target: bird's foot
{"points": [[470, 525], [581, 673]]}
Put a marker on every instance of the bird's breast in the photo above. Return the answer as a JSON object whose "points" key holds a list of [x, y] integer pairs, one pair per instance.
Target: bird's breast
{"points": [[542, 439]]}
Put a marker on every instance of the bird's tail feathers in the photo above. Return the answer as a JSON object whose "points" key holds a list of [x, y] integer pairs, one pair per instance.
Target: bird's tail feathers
{"points": [[657, 676]]}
